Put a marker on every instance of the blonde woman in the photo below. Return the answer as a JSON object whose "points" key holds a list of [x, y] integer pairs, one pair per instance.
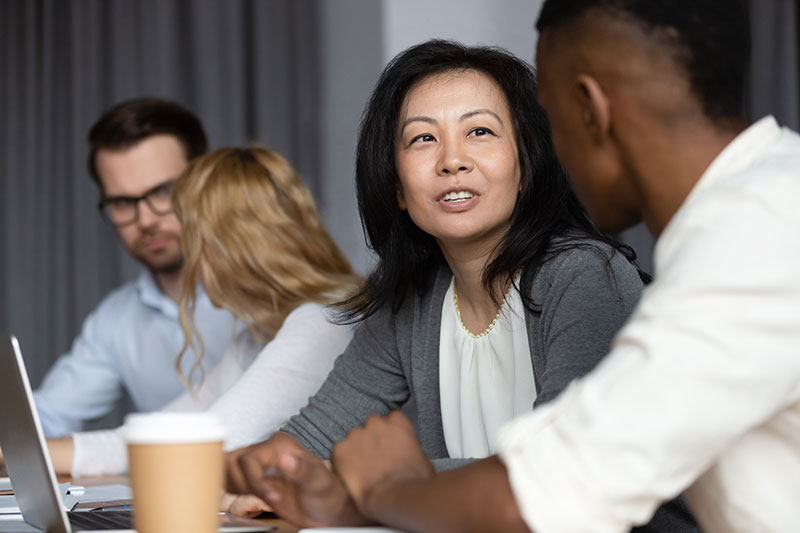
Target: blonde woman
{"points": [[252, 237]]}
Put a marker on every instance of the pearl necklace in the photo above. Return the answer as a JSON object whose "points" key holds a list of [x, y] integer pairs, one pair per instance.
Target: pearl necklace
{"points": [[494, 320]]}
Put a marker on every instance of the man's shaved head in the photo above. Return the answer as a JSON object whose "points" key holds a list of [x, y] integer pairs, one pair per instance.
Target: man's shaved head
{"points": [[708, 40]]}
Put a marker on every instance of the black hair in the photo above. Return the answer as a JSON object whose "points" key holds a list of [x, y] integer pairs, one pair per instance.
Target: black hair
{"points": [[710, 40], [131, 121], [546, 219]]}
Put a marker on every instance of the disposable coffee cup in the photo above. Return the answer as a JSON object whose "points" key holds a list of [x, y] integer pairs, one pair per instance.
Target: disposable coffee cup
{"points": [[176, 471]]}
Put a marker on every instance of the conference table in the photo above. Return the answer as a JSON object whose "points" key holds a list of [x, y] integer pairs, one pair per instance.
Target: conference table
{"points": [[281, 526]]}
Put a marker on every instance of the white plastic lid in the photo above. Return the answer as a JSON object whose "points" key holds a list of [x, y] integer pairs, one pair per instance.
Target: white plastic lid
{"points": [[172, 428]]}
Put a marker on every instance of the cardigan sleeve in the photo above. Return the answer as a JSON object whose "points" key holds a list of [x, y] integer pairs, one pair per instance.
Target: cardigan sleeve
{"points": [[368, 378], [586, 294]]}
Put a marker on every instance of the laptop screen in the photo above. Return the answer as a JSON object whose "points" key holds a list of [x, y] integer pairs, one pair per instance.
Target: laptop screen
{"points": [[23, 445]]}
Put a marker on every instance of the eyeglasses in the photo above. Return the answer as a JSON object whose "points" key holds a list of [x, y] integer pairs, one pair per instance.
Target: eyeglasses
{"points": [[124, 210]]}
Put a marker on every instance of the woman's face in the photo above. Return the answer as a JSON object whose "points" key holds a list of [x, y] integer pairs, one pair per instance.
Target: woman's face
{"points": [[456, 158]]}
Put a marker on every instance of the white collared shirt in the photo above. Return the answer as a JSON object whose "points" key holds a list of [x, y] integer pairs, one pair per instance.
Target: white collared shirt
{"points": [[702, 387]]}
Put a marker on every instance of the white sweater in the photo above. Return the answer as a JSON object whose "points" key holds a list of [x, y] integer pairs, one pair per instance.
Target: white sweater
{"points": [[252, 392]]}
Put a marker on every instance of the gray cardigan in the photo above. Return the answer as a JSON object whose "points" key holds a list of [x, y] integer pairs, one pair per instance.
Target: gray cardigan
{"points": [[585, 294]]}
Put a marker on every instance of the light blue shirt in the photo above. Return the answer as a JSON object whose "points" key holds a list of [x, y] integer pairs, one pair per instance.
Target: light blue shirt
{"points": [[128, 343]]}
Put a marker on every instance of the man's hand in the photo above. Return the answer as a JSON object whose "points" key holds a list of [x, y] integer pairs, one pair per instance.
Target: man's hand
{"points": [[379, 454], [295, 483], [393, 482]]}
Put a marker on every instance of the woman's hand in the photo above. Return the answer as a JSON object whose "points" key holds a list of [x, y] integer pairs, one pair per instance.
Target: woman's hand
{"points": [[293, 482], [62, 453], [247, 505]]}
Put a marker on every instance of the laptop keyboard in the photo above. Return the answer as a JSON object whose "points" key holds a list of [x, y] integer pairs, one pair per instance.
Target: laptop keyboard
{"points": [[101, 520]]}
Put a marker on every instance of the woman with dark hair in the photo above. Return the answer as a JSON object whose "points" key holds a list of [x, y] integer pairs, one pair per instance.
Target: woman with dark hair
{"points": [[492, 289], [546, 219]]}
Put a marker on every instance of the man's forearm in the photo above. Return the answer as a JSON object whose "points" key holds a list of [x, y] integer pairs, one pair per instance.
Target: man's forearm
{"points": [[476, 497]]}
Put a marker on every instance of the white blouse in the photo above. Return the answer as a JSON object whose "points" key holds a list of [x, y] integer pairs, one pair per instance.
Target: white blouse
{"points": [[484, 380]]}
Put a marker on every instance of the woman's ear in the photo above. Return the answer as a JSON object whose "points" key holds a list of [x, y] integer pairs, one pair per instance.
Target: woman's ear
{"points": [[595, 107], [401, 201]]}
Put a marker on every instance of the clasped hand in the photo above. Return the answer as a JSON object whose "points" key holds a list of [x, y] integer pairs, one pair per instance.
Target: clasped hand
{"points": [[302, 489]]}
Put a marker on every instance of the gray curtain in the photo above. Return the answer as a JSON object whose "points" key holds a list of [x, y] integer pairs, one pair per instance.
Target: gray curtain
{"points": [[775, 68], [247, 68]]}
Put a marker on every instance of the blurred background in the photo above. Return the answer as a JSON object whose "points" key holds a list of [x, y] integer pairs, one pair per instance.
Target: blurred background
{"points": [[292, 75]]}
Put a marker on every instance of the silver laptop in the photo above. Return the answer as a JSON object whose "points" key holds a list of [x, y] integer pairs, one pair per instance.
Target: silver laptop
{"points": [[31, 471]]}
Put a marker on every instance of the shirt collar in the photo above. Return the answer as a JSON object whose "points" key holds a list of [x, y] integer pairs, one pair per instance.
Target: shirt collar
{"points": [[736, 156], [152, 296]]}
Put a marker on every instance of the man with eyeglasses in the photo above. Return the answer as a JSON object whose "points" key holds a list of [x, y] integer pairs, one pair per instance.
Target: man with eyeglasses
{"points": [[130, 341]]}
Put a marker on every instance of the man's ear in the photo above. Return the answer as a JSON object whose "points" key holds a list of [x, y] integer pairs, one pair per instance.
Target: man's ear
{"points": [[595, 107]]}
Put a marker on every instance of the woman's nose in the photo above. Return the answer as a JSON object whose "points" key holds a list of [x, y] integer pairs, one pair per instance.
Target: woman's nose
{"points": [[454, 158]]}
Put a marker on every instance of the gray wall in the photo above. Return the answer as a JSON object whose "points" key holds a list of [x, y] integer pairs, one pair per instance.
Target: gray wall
{"points": [[351, 60], [506, 23]]}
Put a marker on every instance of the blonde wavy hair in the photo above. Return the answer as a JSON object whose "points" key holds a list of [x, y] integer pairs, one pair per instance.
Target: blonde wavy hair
{"points": [[252, 236]]}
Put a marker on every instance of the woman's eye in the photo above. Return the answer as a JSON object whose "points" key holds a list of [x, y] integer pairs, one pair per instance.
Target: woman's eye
{"points": [[425, 137], [478, 132]]}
